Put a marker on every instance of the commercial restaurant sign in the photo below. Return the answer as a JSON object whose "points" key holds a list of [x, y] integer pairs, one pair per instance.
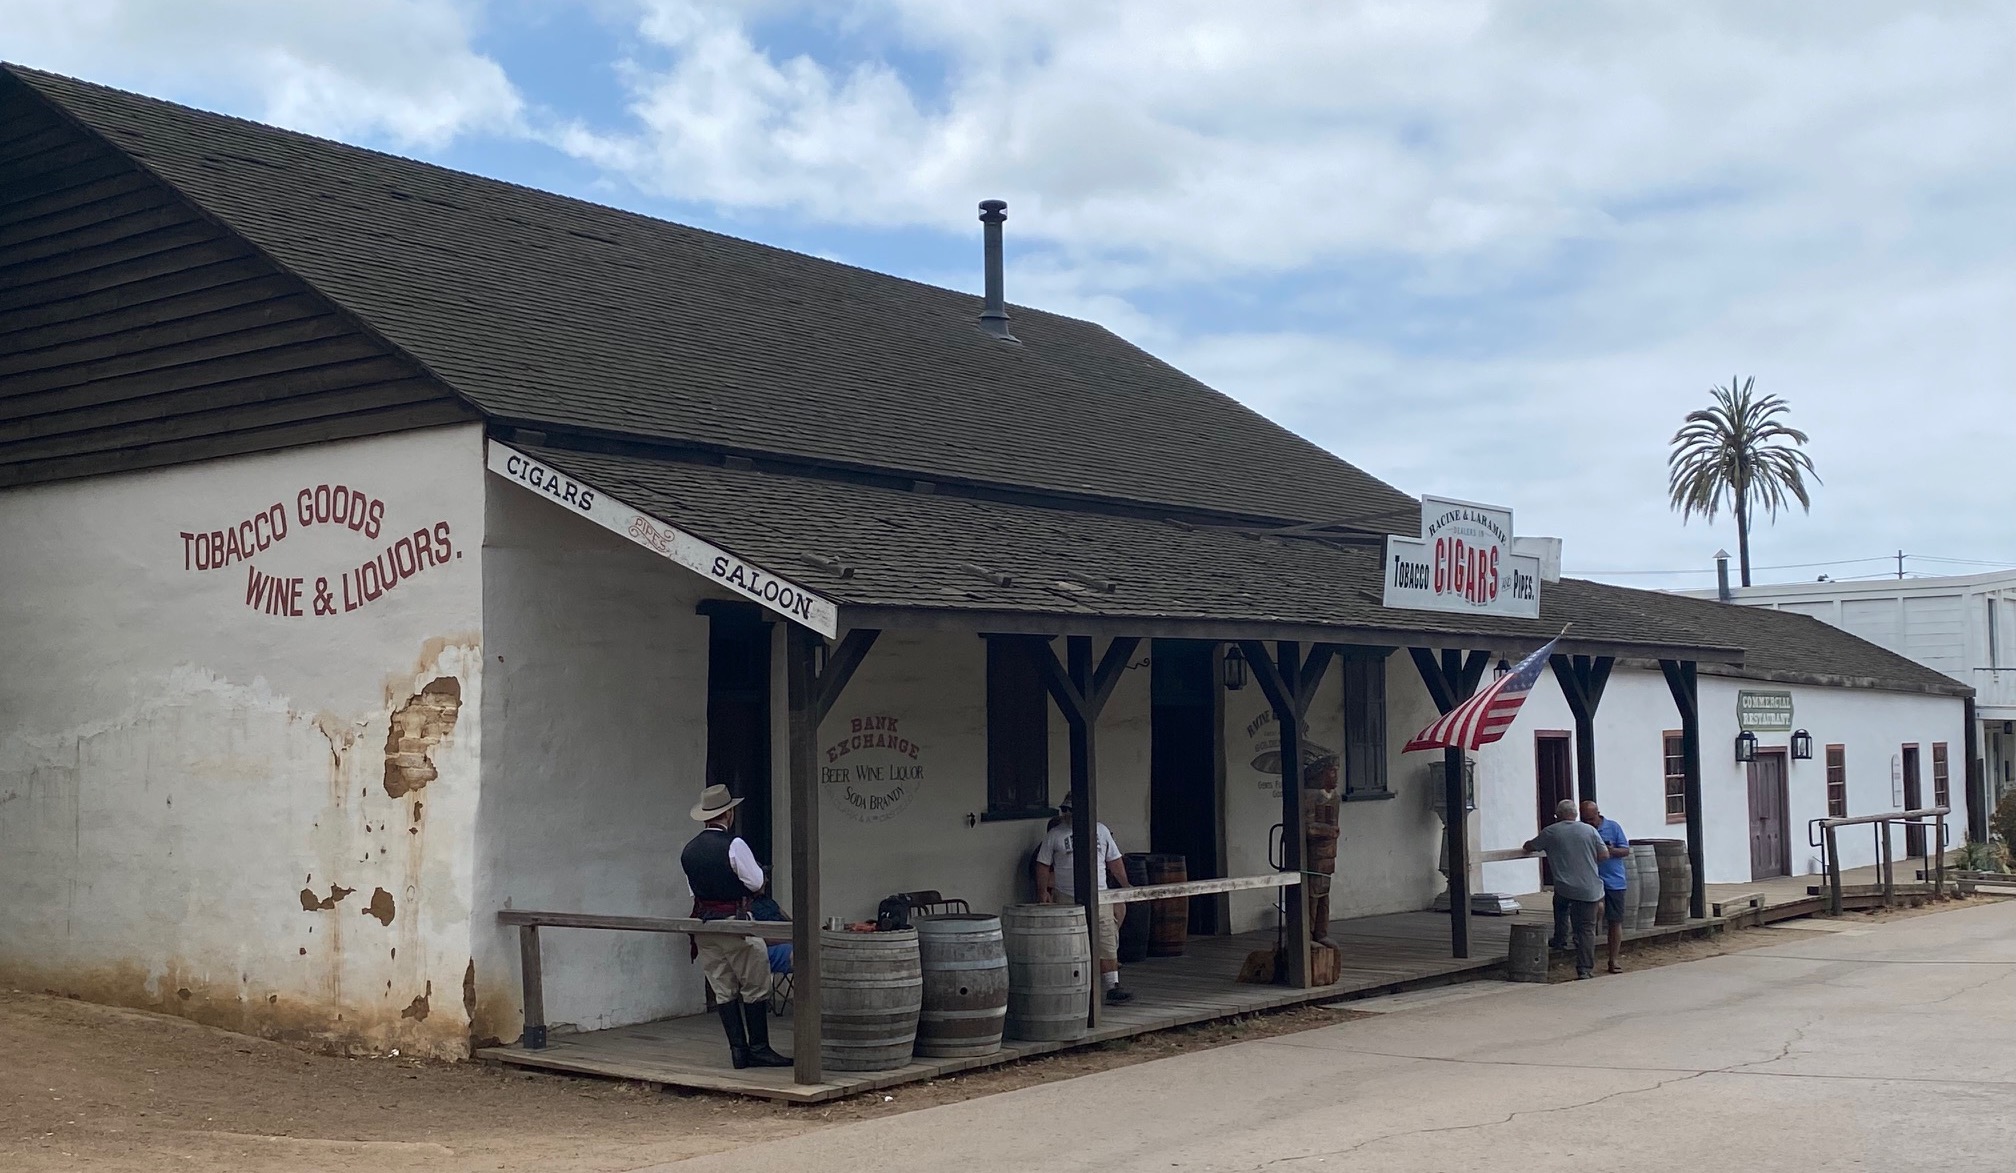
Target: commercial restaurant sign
{"points": [[1764, 710], [1463, 561]]}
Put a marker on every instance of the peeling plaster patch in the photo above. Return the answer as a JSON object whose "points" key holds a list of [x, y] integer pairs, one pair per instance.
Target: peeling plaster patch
{"points": [[417, 727], [417, 1009], [309, 902], [469, 990], [380, 906]]}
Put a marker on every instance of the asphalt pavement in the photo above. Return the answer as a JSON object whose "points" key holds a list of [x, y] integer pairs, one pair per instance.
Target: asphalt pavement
{"points": [[1888, 1047]]}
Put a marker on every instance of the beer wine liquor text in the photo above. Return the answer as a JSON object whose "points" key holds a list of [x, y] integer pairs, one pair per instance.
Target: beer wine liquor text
{"points": [[319, 508]]}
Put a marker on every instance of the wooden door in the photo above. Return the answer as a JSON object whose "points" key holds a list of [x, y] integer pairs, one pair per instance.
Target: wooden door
{"points": [[1553, 780], [1183, 765], [1914, 797], [1770, 846]]}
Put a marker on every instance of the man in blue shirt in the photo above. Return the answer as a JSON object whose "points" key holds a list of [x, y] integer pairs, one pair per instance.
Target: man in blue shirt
{"points": [[1612, 871]]}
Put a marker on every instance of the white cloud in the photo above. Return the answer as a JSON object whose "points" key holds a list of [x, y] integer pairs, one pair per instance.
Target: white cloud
{"points": [[402, 70]]}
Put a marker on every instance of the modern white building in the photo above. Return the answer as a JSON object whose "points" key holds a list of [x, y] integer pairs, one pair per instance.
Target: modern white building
{"points": [[1961, 625]]}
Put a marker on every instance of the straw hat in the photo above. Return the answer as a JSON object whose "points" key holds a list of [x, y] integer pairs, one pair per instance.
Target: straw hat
{"points": [[715, 801]]}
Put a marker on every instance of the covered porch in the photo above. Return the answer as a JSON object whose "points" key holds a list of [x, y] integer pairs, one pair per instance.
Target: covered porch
{"points": [[1380, 954]]}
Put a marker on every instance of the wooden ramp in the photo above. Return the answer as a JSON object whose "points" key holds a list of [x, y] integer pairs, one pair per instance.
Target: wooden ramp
{"points": [[1380, 955]]}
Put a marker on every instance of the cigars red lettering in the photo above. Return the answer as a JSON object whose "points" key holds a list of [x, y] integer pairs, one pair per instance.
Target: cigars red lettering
{"points": [[873, 772], [319, 506]]}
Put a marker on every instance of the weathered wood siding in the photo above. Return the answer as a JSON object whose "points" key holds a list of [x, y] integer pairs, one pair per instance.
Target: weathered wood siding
{"points": [[135, 333]]}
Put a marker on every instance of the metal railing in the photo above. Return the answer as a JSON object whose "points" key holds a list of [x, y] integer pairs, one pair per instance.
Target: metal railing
{"points": [[1821, 833]]}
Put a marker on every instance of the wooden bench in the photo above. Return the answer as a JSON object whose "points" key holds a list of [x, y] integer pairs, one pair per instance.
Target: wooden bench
{"points": [[1747, 902]]}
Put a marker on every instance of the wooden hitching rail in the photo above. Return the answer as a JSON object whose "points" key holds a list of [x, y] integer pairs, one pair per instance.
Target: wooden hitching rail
{"points": [[1141, 892], [533, 975]]}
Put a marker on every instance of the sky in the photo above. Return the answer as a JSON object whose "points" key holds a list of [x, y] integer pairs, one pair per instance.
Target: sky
{"points": [[1486, 249]]}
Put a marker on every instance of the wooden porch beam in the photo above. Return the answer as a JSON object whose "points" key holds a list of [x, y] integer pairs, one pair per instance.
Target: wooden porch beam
{"points": [[1290, 683], [1451, 678], [810, 694], [1081, 691], [1683, 682], [1582, 680]]}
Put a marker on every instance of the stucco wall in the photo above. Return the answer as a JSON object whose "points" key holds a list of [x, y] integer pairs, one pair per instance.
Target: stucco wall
{"points": [[596, 700], [1637, 708], [223, 809]]}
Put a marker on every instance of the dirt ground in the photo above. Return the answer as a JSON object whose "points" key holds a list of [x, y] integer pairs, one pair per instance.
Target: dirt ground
{"points": [[92, 1087]]}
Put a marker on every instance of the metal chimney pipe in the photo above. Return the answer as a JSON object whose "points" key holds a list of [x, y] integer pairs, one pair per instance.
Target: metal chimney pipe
{"points": [[994, 316], [1722, 591]]}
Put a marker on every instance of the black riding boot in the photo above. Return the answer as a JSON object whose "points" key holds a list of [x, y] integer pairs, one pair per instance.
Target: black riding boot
{"points": [[738, 1033], [756, 1016]]}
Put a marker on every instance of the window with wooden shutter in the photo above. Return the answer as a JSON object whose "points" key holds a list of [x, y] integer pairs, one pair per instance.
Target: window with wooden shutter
{"points": [[1018, 731], [1942, 794], [1837, 781], [1364, 727]]}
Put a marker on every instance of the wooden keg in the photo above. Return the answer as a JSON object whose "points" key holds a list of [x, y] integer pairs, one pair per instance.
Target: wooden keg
{"points": [[872, 988], [1643, 867], [1676, 881], [1049, 971], [1134, 929], [1168, 920], [965, 964], [1526, 958]]}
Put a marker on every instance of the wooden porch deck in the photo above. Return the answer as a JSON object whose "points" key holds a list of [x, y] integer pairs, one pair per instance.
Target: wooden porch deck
{"points": [[1381, 954]]}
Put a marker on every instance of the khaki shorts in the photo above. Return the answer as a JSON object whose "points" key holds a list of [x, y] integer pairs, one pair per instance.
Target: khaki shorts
{"points": [[1109, 932]]}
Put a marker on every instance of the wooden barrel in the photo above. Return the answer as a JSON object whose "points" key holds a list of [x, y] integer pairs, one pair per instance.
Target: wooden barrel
{"points": [[965, 967], [1168, 920], [1526, 959], [1676, 881], [872, 989], [1049, 971], [1643, 867], [1134, 930]]}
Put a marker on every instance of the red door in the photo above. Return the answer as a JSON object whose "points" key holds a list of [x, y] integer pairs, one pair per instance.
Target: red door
{"points": [[1770, 847]]}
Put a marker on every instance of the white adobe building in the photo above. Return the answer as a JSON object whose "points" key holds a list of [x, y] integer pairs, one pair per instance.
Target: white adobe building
{"points": [[1961, 625], [387, 549]]}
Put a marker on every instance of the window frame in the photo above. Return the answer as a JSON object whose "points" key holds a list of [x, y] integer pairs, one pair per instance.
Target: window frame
{"points": [[1018, 732], [1672, 749], [1942, 775], [1364, 773], [1837, 781]]}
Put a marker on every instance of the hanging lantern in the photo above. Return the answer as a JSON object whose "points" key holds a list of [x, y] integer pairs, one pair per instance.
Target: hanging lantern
{"points": [[1746, 746], [1235, 669], [1802, 745], [1503, 670]]}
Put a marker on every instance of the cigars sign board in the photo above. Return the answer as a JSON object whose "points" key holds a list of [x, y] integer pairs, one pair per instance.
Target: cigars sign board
{"points": [[1463, 561], [702, 557]]}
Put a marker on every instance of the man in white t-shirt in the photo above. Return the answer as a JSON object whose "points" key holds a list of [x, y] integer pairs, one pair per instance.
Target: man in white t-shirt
{"points": [[1056, 869]]}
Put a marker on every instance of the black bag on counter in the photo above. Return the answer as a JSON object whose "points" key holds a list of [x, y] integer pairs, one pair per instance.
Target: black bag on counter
{"points": [[892, 914]]}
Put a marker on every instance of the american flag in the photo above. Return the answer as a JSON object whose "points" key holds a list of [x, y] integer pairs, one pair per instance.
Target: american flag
{"points": [[1484, 718]]}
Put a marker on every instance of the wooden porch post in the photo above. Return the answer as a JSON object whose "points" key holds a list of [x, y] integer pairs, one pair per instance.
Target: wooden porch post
{"points": [[1683, 682], [810, 694], [1582, 679], [1451, 681], [1976, 777], [1081, 691], [1290, 684]]}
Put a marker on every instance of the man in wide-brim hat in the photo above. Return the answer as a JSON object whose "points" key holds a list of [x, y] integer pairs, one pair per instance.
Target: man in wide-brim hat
{"points": [[725, 878]]}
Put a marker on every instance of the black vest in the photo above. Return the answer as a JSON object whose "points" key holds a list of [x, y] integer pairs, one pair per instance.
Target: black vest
{"points": [[708, 871]]}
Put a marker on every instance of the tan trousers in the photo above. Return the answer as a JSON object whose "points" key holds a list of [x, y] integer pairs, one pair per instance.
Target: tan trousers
{"points": [[736, 967]]}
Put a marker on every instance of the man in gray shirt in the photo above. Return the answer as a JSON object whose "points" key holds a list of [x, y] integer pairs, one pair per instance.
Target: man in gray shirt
{"points": [[1574, 853]]}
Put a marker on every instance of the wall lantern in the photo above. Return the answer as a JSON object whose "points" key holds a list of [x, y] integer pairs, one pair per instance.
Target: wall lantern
{"points": [[1503, 670], [1802, 746], [1235, 669], [1746, 746]]}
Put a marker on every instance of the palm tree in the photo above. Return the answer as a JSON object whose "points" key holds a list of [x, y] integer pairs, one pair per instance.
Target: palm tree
{"points": [[1735, 455]]}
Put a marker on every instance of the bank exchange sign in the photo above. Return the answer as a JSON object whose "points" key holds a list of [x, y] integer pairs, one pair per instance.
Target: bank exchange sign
{"points": [[1463, 561]]}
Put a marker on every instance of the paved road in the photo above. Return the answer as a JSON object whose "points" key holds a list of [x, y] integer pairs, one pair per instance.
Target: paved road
{"points": [[1892, 1048]]}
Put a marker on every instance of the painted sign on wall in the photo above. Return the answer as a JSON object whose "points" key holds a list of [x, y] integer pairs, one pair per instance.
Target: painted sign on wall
{"points": [[1263, 734], [319, 508], [873, 771], [1463, 561], [702, 557], [1764, 710]]}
